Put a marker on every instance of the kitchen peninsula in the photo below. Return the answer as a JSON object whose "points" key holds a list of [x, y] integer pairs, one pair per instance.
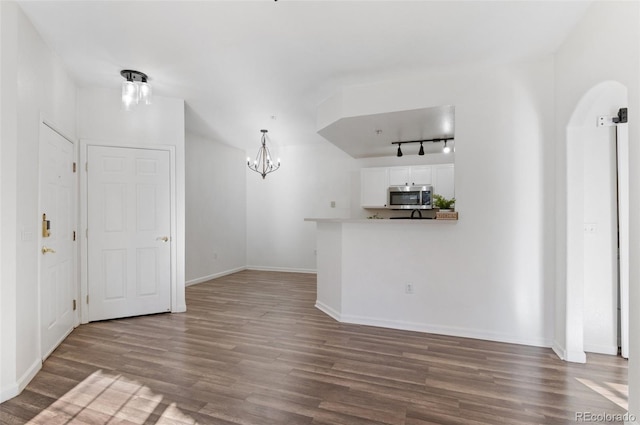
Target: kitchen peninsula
{"points": [[389, 273], [420, 275]]}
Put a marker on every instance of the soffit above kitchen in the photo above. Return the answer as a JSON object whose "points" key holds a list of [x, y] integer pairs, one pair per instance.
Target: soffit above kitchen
{"points": [[372, 135]]}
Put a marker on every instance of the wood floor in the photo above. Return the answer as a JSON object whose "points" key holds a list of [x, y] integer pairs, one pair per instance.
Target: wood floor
{"points": [[252, 349]]}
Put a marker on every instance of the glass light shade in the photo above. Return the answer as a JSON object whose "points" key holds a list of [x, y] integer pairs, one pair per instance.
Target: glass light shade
{"points": [[129, 94], [144, 93]]}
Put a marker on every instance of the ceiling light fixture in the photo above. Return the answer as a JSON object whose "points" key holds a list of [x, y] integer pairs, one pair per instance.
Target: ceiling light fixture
{"points": [[263, 164], [446, 149], [399, 150], [421, 151], [135, 89]]}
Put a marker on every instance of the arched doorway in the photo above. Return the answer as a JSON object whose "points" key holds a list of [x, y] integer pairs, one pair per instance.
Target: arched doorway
{"points": [[597, 228]]}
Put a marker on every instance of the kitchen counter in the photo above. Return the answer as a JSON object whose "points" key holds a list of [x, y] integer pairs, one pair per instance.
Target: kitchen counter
{"points": [[375, 220]]}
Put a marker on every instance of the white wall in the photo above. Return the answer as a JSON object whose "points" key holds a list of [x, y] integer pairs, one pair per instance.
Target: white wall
{"points": [[8, 145], [216, 197], [311, 176], [3, 365], [102, 119], [604, 46], [500, 254], [34, 82]]}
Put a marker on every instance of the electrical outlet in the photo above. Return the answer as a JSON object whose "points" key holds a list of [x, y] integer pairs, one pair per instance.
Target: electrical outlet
{"points": [[590, 228], [408, 288]]}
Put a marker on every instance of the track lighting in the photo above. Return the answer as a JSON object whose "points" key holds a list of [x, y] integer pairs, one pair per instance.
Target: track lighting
{"points": [[446, 148]]}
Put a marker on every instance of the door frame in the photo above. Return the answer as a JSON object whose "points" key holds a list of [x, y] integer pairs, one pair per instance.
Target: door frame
{"points": [[622, 174], [44, 120], [82, 231]]}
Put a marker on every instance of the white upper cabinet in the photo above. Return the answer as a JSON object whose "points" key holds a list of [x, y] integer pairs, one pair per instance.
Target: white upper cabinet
{"points": [[410, 176], [443, 180], [374, 183], [399, 176], [421, 175]]}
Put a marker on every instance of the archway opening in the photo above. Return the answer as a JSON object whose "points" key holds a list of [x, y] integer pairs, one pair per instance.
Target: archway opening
{"points": [[595, 301]]}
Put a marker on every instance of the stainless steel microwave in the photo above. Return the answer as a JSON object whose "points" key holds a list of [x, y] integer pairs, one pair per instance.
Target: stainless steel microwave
{"points": [[410, 197]]}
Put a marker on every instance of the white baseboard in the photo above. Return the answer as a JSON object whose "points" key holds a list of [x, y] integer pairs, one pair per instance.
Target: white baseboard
{"points": [[239, 269], [601, 349], [9, 392], [427, 328], [213, 276], [560, 351], [29, 374], [446, 330], [328, 310], [575, 356], [16, 388], [281, 269], [570, 356]]}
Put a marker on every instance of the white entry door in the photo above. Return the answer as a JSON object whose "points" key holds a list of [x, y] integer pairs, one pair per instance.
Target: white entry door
{"points": [[56, 236], [128, 216]]}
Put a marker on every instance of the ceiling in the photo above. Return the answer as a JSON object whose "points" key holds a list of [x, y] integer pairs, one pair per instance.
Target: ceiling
{"points": [[242, 66]]}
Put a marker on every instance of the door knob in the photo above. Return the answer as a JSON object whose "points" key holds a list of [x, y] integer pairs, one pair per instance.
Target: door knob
{"points": [[163, 238], [46, 250]]}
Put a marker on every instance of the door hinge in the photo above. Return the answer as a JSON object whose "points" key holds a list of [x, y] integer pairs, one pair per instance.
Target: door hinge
{"points": [[74, 167], [74, 305], [74, 235], [622, 116]]}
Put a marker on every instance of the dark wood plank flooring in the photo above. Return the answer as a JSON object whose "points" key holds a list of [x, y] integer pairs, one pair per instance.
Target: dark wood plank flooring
{"points": [[252, 349]]}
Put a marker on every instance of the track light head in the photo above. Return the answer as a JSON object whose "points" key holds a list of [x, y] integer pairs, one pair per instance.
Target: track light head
{"points": [[399, 150], [446, 149], [421, 151]]}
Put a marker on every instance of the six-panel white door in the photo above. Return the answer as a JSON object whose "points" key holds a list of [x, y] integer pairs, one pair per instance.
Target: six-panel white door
{"points": [[129, 249], [57, 265]]}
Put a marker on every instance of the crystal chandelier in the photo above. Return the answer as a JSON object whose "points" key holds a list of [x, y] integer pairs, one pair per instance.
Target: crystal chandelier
{"points": [[263, 164]]}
